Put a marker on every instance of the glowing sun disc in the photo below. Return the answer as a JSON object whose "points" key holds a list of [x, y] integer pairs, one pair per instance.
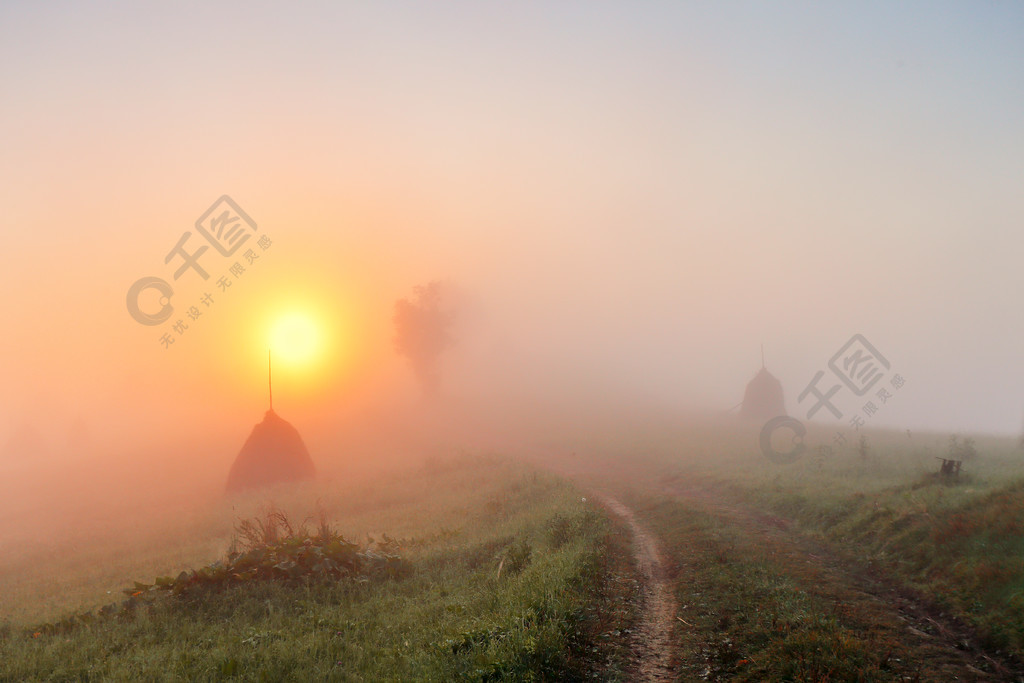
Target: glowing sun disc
{"points": [[295, 338]]}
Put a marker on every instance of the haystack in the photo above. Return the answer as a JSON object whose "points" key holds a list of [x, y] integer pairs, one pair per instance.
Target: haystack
{"points": [[273, 453], [763, 399]]}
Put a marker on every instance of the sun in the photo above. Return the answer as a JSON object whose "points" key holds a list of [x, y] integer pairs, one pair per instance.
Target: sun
{"points": [[295, 338]]}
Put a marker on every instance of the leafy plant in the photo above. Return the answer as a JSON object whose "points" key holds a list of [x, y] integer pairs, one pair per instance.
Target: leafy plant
{"points": [[272, 549]]}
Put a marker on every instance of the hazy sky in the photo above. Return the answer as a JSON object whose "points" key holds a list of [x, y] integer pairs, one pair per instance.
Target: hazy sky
{"points": [[637, 192]]}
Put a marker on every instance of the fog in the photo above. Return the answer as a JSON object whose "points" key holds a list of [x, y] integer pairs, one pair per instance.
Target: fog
{"points": [[627, 206]]}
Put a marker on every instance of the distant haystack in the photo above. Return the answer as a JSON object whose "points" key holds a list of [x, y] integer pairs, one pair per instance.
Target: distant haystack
{"points": [[274, 453], [763, 399]]}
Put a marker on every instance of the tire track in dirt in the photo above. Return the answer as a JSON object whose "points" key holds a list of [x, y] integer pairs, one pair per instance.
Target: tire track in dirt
{"points": [[653, 641], [934, 637], [939, 636]]}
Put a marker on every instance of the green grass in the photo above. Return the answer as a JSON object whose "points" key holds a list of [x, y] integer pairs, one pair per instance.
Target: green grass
{"points": [[504, 566], [513, 577], [751, 611], [958, 540]]}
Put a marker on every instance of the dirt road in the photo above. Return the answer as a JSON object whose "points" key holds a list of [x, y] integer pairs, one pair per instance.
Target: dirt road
{"points": [[920, 642], [653, 642]]}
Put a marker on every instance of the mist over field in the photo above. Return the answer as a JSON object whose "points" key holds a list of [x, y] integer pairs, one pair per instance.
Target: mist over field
{"points": [[525, 229]]}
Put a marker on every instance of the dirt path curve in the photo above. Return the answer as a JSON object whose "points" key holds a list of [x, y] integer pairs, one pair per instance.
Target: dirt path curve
{"points": [[653, 643], [937, 640]]}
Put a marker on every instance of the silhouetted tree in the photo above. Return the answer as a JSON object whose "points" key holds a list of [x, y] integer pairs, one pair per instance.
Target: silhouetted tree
{"points": [[423, 331]]}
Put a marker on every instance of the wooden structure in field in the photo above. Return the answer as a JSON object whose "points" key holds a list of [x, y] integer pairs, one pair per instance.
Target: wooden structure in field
{"points": [[949, 468], [274, 453], [763, 398]]}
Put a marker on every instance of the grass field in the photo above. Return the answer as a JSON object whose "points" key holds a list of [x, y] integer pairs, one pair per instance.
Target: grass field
{"points": [[959, 540], [857, 562], [503, 566], [773, 562], [878, 506]]}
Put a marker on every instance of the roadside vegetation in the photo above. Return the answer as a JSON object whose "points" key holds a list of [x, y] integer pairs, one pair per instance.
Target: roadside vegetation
{"points": [[496, 572], [958, 540], [858, 561], [757, 605], [878, 501]]}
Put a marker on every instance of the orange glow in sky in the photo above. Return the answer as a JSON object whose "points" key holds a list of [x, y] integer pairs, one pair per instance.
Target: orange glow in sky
{"points": [[646, 195]]}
